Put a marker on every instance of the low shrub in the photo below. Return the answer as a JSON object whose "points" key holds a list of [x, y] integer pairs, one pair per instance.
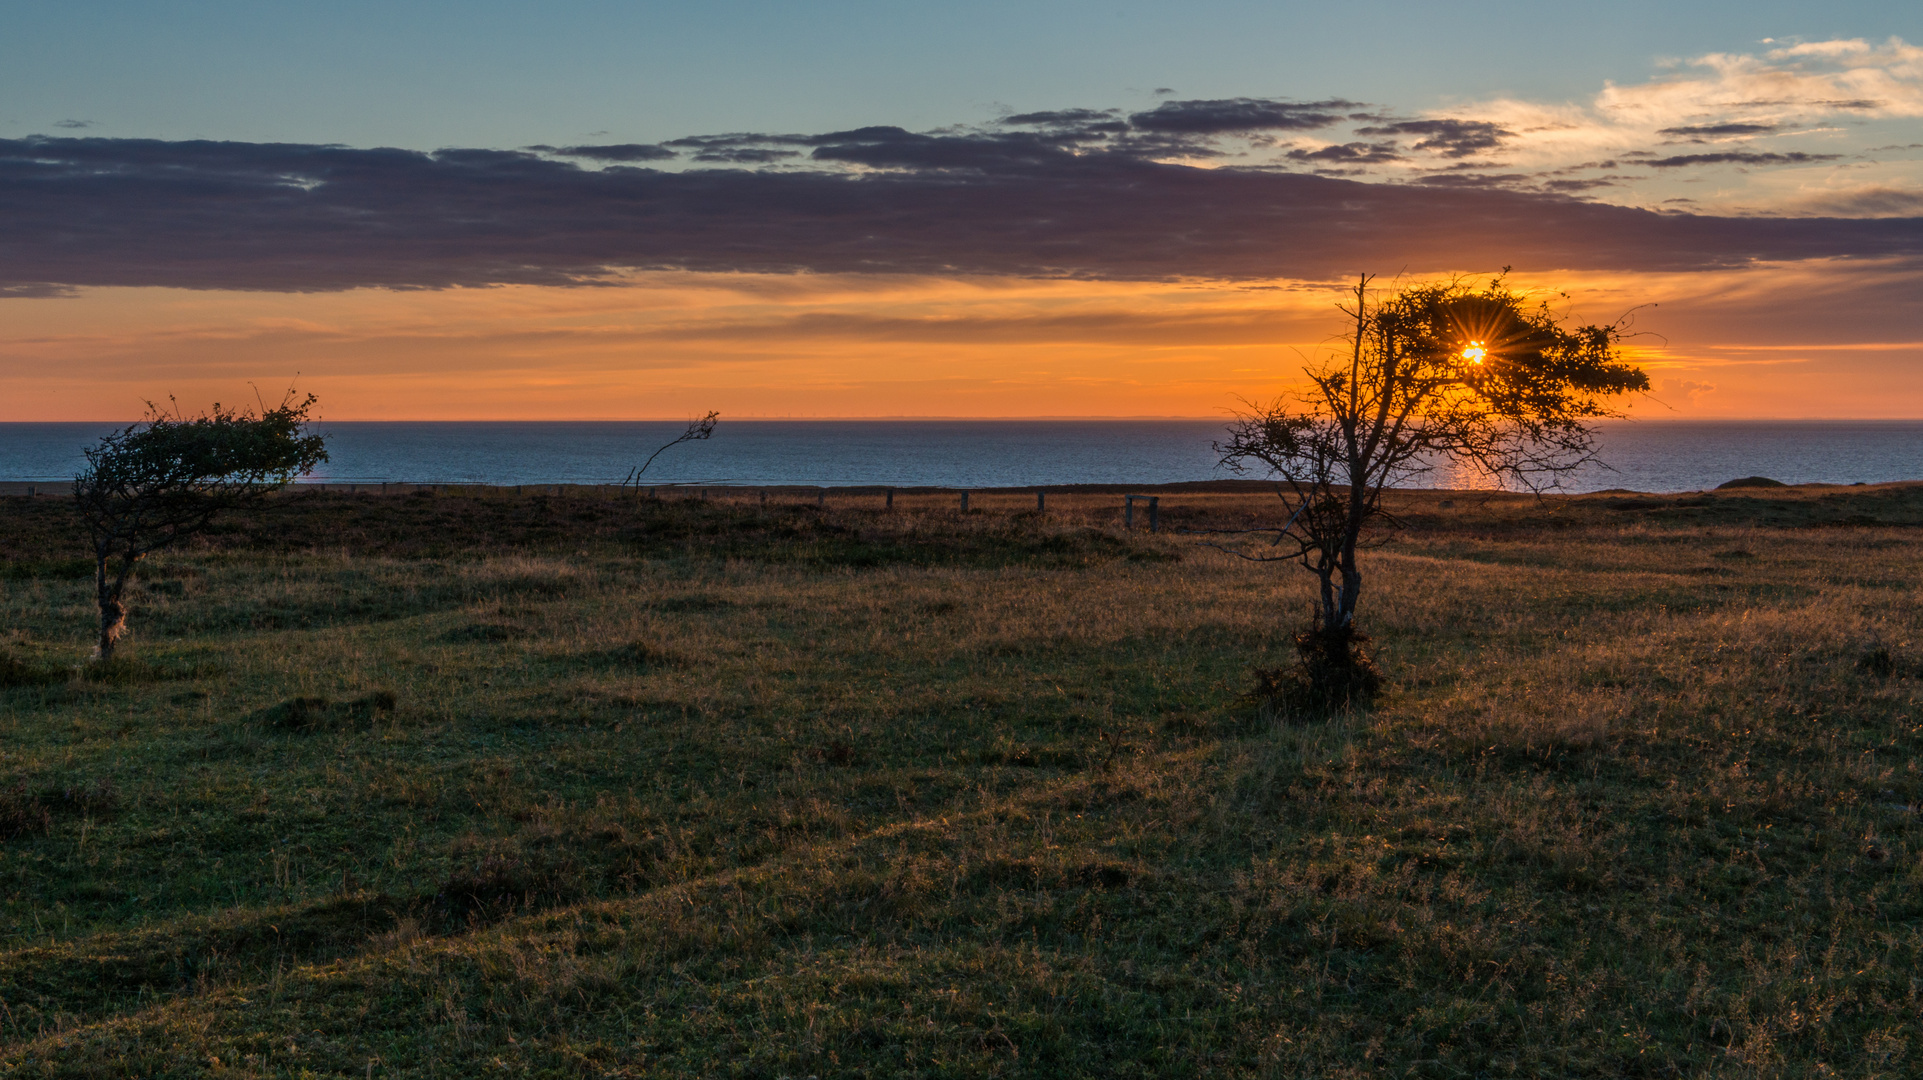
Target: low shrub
{"points": [[1332, 671]]}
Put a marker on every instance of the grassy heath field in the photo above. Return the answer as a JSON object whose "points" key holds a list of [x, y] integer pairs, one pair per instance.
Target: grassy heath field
{"points": [[475, 784]]}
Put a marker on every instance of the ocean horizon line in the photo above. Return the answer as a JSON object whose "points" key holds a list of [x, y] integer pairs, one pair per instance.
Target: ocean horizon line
{"points": [[1668, 454]]}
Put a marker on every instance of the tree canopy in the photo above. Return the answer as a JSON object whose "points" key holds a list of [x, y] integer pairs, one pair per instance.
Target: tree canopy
{"points": [[148, 485]]}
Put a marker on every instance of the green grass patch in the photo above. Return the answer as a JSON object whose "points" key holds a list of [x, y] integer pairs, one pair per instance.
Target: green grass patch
{"points": [[462, 785]]}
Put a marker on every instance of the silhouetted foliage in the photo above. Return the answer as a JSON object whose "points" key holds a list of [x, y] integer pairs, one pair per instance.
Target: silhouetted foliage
{"points": [[151, 484], [1441, 373]]}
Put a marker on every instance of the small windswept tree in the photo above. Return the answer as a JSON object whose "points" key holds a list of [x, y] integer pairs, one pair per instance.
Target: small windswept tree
{"points": [[1448, 373], [697, 431], [156, 482]]}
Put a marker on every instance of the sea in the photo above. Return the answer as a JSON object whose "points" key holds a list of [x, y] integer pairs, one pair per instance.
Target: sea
{"points": [[1650, 456]]}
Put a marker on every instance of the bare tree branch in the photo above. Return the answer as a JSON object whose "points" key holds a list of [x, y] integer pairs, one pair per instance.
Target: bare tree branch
{"points": [[697, 430]]}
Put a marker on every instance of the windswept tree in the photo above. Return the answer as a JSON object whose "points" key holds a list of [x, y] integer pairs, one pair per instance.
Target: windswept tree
{"points": [[697, 431], [1443, 374], [156, 482]]}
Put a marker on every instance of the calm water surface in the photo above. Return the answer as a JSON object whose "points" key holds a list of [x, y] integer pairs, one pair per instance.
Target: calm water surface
{"points": [[1651, 456]]}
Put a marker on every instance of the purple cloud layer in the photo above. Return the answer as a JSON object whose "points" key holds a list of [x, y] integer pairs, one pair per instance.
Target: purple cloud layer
{"points": [[1079, 195]]}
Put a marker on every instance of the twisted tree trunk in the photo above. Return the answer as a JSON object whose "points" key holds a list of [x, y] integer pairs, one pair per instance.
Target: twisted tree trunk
{"points": [[113, 612]]}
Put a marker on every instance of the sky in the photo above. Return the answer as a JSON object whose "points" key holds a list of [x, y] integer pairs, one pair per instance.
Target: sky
{"points": [[600, 210]]}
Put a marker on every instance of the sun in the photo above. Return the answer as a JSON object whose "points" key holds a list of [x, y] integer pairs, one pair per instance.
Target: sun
{"points": [[1474, 352]]}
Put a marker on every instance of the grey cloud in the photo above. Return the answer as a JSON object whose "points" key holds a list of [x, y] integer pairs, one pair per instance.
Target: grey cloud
{"points": [[746, 155], [1354, 153], [1851, 104], [1223, 116], [1719, 129], [740, 148], [73, 125], [1075, 118], [1450, 138], [301, 217], [735, 139], [1737, 157], [893, 147], [1572, 186], [623, 152]]}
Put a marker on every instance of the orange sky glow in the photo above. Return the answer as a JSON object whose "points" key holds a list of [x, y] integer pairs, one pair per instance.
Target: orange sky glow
{"points": [[1783, 340]]}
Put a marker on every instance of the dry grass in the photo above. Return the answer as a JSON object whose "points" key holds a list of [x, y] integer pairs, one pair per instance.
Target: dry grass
{"points": [[415, 787]]}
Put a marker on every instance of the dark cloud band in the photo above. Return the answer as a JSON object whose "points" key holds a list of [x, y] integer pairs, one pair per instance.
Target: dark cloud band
{"points": [[295, 217], [1738, 157]]}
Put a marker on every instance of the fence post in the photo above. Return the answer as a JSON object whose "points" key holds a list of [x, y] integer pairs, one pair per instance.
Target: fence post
{"points": [[1040, 503], [1154, 501], [1128, 511], [891, 499], [29, 491], [764, 497], [821, 496], [964, 500]]}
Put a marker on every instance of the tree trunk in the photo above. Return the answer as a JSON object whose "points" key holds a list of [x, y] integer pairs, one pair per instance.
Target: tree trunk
{"points": [[113, 613], [1351, 537], [1351, 591], [1325, 612]]}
